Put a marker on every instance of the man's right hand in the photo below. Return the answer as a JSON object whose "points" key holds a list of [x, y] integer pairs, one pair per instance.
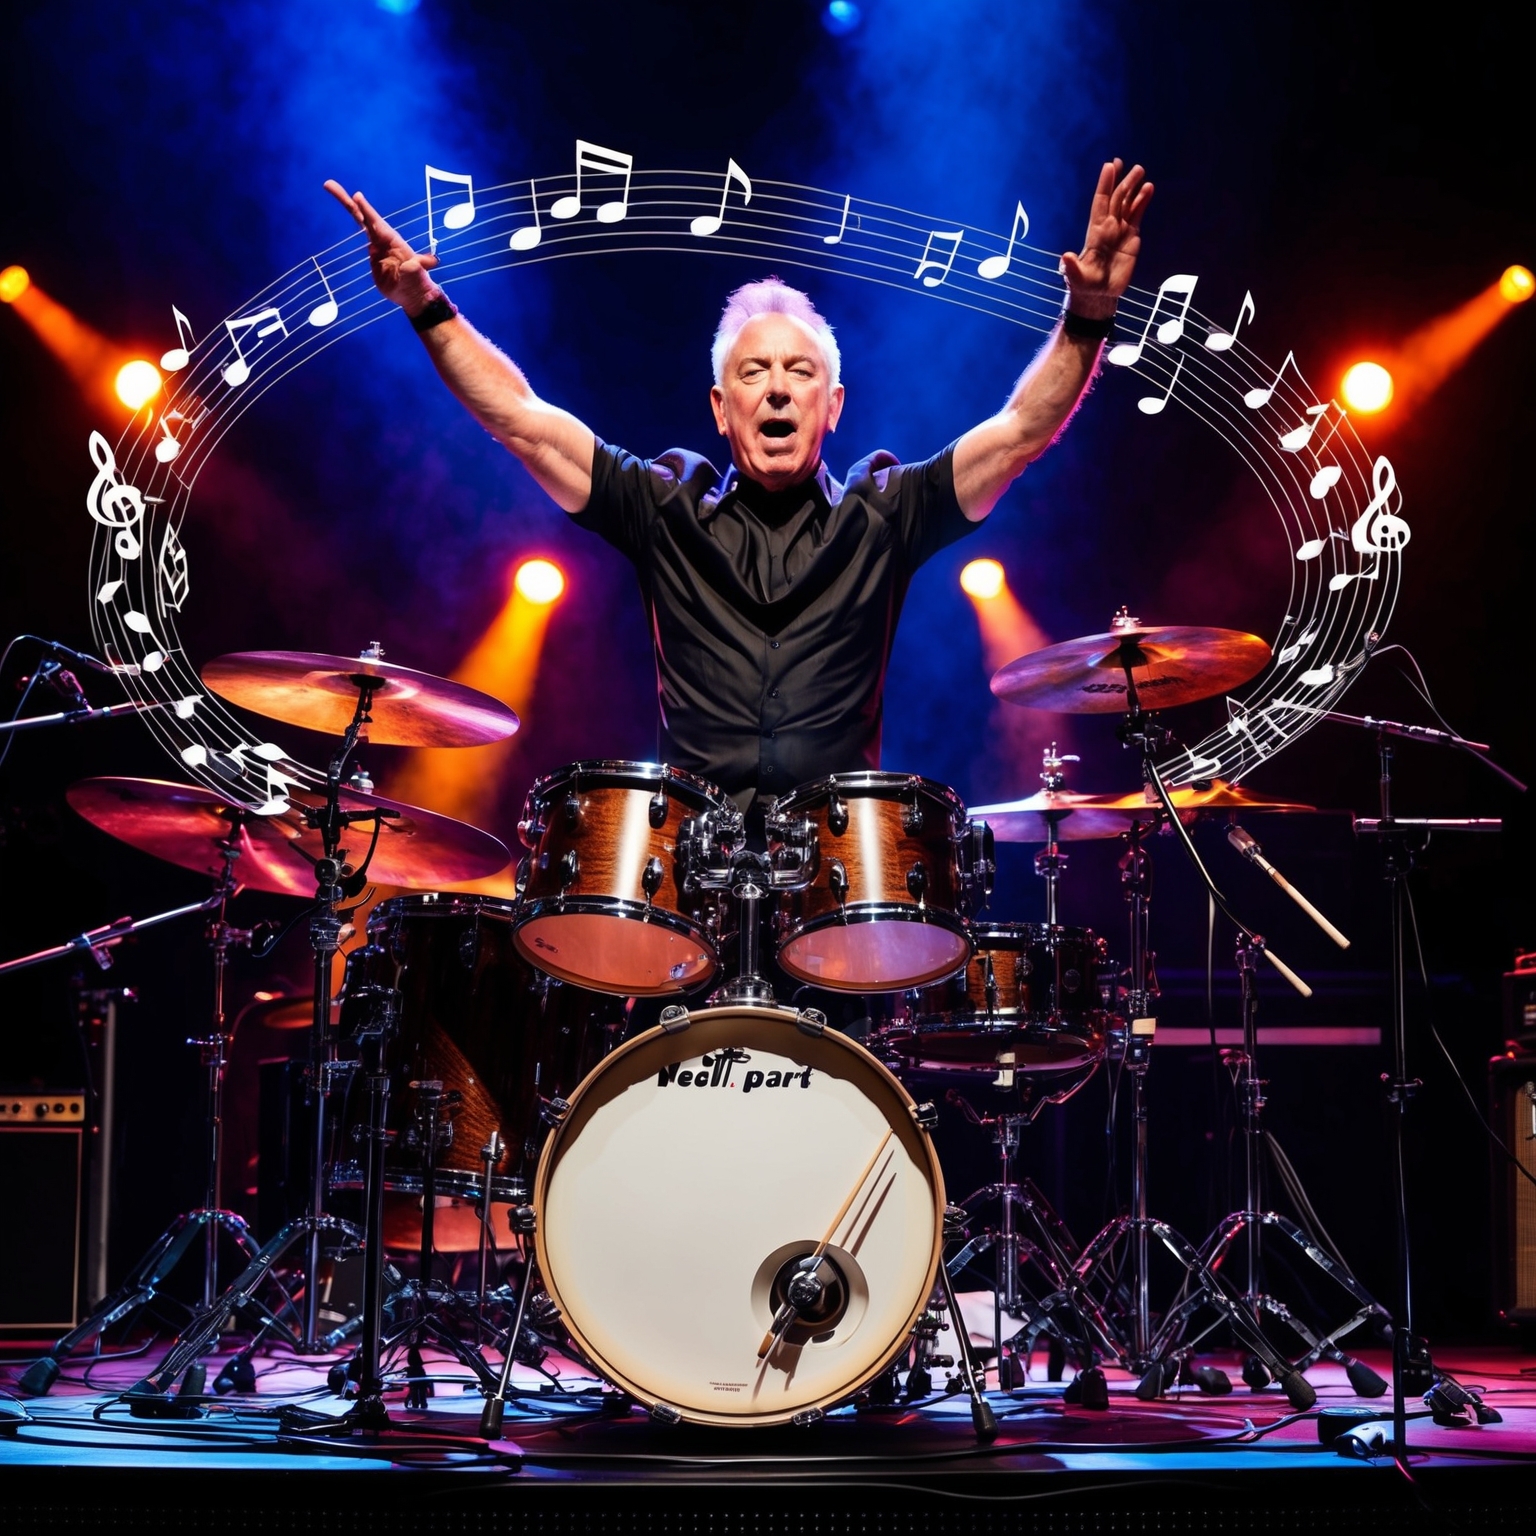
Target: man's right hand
{"points": [[399, 273]]}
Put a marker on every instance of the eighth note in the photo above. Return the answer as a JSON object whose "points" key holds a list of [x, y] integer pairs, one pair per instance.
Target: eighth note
{"points": [[994, 266], [458, 216], [240, 370], [1220, 341], [1257, 398], [1298, 437], [1127, 353], [1151, 405], [941, 267], [709, 223], [178, 357], [325, 311]]}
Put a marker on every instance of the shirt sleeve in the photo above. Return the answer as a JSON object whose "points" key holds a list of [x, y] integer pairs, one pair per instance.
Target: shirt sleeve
{"points": [[920, 500], [622, 505]]}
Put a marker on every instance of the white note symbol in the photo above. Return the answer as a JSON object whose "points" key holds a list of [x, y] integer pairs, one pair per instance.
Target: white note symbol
{"points": [[1127, 353], [174, 579], [529, 235], [1324, 481], [1377, 531], [169, 446], [1318, 676], [154, 658], [112, 503], [1314, 547], [605, 162], [1292, 651], [991, 267], [325, 311], [1221, 341], [1298, 437], [177, 358], [858, 224], [240, 370], [1257, 398], [461, 214], [709, 223], [954, 236], [1151, 405]]}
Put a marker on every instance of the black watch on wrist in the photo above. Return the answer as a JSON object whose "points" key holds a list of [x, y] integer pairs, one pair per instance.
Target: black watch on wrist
{"points": [[1084, 329], [434, 313]]}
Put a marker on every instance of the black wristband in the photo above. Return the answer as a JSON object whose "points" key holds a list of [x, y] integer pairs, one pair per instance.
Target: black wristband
{"points": [[436, 311], [1084, 329]]}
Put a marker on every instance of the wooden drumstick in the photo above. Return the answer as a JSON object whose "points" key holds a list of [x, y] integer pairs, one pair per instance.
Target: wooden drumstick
{"points": [[788, 1312]]}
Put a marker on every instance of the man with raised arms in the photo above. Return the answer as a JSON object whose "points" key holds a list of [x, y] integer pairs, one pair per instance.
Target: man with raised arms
{"points": [[772, 591]]}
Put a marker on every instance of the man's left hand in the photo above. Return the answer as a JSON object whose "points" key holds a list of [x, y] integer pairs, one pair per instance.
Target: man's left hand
{"points": [[1099, 273]]}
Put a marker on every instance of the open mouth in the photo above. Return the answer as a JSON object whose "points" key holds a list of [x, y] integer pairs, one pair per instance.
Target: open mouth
{"points": [[778, 429]]}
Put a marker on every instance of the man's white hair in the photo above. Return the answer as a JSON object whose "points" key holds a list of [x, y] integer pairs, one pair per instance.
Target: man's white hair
{"points": [[772, 297]]}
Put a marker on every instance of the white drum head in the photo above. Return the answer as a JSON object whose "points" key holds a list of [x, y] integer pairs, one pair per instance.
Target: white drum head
{"points": [[679, 1190]]}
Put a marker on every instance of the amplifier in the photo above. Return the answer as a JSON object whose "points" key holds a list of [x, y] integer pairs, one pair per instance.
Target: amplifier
{"points": [[1512, 1084], [42, 1171]]}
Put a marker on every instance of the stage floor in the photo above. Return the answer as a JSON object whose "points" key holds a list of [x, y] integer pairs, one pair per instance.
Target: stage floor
{"points": [[573, 1457]]}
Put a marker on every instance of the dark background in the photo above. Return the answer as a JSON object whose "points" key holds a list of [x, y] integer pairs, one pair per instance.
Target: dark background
{"points": [[1357, 172]]}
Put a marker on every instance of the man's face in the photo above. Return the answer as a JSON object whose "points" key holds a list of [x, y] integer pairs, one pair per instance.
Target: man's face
{"points": [[777, 403]]}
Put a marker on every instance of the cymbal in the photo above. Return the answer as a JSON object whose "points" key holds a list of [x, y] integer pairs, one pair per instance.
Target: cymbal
{"points": [[408, 708], [1218, 797], [1170, 664], [1078, 817], [186, 825], [277, 1012]]}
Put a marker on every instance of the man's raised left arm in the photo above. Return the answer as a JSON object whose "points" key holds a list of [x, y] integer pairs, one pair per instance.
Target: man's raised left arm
{"points": [[991, 456]]}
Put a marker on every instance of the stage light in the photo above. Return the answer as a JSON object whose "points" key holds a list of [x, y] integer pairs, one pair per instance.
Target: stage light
{"points": [[398, 7], [1516, 285], [1367, 387], [14, 282], [540, 581], [982, 578], [841, 17], [136, 383]]}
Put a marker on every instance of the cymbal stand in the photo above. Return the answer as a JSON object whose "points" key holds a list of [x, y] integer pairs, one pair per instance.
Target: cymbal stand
{"points": [[1051, 862], [144, 1282]]}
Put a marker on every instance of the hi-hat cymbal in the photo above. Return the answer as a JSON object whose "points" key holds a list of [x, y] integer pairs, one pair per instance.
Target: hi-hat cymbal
{"points": [[408, 708], [1169, 664], [1077, 817], [186, 825]]}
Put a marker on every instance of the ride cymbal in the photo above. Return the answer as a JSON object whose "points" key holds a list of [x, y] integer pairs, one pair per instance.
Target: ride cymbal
{"points": [[1169, 664], [320, 692], [187, 825], [1217, 797], [1077, 817]]}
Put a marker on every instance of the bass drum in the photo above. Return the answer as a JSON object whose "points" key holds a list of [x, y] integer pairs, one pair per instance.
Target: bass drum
{"points": [[697, 1167]]}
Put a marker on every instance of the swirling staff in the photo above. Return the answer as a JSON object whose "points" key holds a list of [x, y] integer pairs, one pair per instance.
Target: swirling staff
{"points": [[1339, 509]]}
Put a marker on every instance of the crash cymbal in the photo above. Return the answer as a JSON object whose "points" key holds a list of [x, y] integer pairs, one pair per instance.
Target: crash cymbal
{"points": [[1216, 797], [276, 1012], [186, 825], [1078, 817], [408, 708], [1169, 663]]}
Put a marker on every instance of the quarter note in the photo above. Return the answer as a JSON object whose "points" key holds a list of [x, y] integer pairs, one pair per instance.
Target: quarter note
{"points": [[1324, 481], [325, 311], [603, 162], [991, 267], [460, 214], [1152, 405], [1220, 341], [177, 358], [240, 370], [1128, 352], [941, 267], [709, 223], [1298, 437], [837, 238], [1257, 398], [1314, 547], [529, 235]]}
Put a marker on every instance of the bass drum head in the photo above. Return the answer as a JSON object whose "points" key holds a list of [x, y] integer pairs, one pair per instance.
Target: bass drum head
{"points": [[693, 1171], [882, 948], [617, 947]]}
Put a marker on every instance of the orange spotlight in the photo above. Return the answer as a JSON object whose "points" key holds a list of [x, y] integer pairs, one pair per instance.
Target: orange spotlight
{"points": [[982, 578], [1367, 387], [137, 383], [540, 581], [14, 282], [1516, 285], [90, 359]]}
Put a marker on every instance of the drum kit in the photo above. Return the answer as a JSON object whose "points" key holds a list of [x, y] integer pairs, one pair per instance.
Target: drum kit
{"points": [[735, 1216]]}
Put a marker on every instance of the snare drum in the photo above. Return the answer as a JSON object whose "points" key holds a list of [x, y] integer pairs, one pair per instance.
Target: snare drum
{"points": [[697, 1167], [472, 1014], [1027, 1002], [604, 901], [886, 907]]}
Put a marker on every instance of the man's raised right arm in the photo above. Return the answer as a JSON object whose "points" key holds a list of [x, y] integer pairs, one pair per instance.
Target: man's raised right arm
{"points": [[553, 445]]}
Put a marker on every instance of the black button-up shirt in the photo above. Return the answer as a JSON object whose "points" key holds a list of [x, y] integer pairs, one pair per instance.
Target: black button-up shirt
{"points": [[772, 613]]}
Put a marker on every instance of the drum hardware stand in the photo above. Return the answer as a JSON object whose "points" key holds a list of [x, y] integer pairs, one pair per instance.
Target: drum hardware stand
{"points": [[1051, 862], [491, 1155], [142, 1287]]}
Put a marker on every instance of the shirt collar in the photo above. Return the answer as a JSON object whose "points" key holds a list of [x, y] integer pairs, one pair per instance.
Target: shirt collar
{"points": [[830, 491]]}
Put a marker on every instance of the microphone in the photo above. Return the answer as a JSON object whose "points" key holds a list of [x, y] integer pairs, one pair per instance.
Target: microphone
{"points": [[1251, 851], [92, 663]]}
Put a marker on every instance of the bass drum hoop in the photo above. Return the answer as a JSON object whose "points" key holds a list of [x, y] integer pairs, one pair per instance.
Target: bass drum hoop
{"points": [[789, 1020], [876, 912], [621, 907]]}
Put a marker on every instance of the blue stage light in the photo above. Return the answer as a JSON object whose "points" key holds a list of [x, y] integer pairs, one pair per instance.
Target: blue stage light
{"points": [[841, 17], [397, 7]]}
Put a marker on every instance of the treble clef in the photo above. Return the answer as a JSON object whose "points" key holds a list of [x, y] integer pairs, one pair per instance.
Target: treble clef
{"points": [[1377, 531], [111, 501]]}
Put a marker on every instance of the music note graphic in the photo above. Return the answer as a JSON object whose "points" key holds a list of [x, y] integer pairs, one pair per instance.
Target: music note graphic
{"points": [[177, 358], [1343, 579], [1377, 531], [1220, 341], [154, 658], [1298, 437], [837, 238], [941, 267], [460, 214], [991, 267], [1292, 651], [111, 501], [169, 446], [529, 235], [325, 312], [240, 370], [600, 161], [1324, 481], [1257, 398], [171, 572], [1151, 405], [1314, 547], [1318, 676], [709, 223], [1128, 353]]}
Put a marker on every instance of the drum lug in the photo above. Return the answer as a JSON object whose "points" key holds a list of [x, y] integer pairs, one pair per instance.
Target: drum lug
{"points": [[917, 881], [650, 880], [523, 1219], [837, 879], [925, 1115], [807, 1417], [570, 868], [912, 817], [520, 879], [837, 815], [674, 1018], [665, 1413], [572, 811], [553, 1111], [811, 1021], [658, 807]]}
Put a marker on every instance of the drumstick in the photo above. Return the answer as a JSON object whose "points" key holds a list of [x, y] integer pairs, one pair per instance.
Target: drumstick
{"points": [[788, 1312]]}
